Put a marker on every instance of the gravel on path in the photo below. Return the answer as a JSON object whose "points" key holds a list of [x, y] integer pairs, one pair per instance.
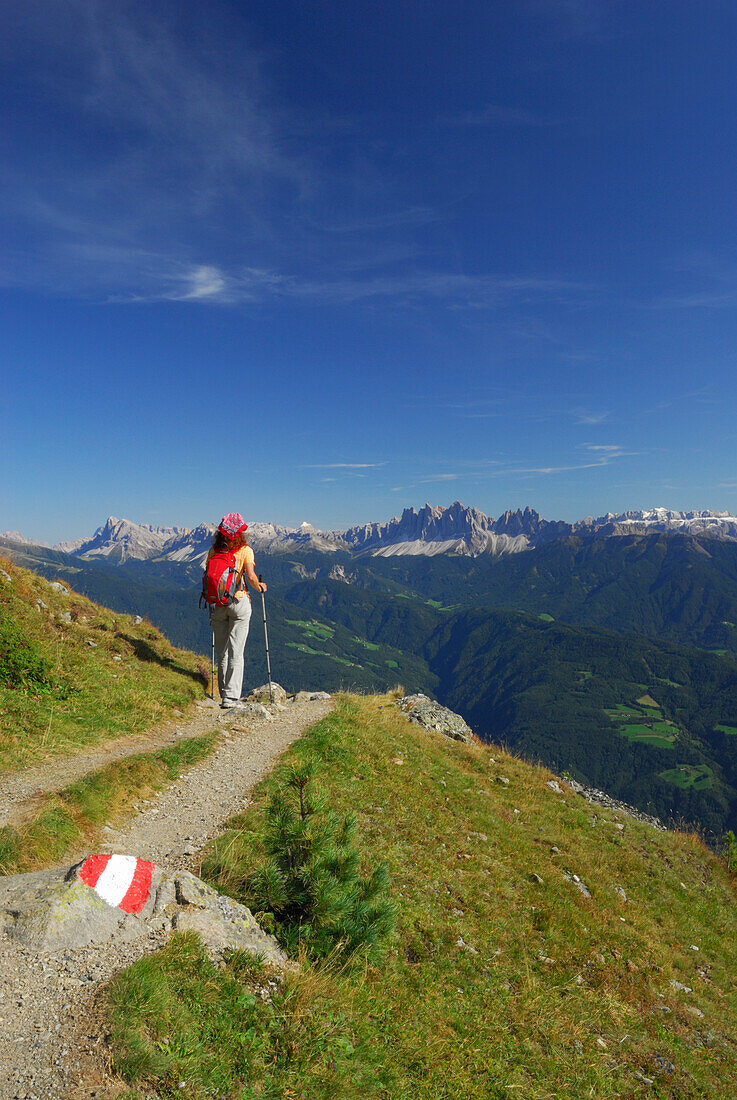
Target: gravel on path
{"points": [[20, 790], [51, 1040]]}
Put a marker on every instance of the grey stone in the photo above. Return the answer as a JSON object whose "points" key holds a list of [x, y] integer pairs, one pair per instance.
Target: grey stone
{"points": [[591, 794], [59, 587], [425, 712], [6, 577], [137, 619], [192, 891], [555, 786], [536, 879], [41, 606], [618, 890], [577, 883], [680, 987], [65, 617], [261, 694], [54, 910]]}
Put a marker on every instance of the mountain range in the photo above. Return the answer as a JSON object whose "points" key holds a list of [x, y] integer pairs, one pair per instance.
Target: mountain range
{"points": [[606, 647], [430, 531]]}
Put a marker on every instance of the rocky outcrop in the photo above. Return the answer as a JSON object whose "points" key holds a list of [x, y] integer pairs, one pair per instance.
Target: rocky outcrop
{"points": [[599, 798], [128, 900], [430, 715]]}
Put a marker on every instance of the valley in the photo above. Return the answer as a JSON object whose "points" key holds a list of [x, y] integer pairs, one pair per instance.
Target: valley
{"points": [[599, 651]]}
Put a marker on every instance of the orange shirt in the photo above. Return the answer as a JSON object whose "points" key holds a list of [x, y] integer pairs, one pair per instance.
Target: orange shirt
{"points": [[243, 557]]}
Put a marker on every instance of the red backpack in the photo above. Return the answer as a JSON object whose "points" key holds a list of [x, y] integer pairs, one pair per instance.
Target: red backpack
{"points": [[220, 580]]}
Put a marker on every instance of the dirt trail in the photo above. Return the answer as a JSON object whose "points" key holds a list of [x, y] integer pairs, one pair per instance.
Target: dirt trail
{"points": [[50, 1042], [20, 790]]}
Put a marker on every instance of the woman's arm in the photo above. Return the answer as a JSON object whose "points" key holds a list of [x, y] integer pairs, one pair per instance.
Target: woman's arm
{"points": [[253, 580]]}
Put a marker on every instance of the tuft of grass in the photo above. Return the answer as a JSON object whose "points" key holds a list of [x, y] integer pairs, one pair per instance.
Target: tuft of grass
{"points": [[186, 1028], [496, 984], [74, 816], [74, 674]]}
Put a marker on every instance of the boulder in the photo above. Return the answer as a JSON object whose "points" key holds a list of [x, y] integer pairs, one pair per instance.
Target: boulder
{"points": [[59, 587], [5, 577], [308, 696], [261, 694], [430, 715], [108, 898]]}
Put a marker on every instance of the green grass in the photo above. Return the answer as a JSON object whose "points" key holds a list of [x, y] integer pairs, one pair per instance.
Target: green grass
{"points": [[65, 821], [545, 617], [303, 648], [727, 729], [648, 701], [554, 995], [96, 677], [661, 735], [313, 629], [196, 1031], [689, 775]]}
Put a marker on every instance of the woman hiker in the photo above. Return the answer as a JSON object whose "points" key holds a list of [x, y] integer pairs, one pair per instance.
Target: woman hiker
{"points": [[230, 623]]}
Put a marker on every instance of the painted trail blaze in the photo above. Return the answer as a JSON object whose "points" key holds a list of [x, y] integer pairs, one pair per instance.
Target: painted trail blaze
{"points": [[124, 881]]}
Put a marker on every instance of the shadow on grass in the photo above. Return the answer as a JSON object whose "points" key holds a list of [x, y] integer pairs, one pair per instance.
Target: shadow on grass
{"points": [[146, 652]]}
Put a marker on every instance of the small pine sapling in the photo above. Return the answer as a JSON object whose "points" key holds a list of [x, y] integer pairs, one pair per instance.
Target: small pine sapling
{"points": [[311, 882]]}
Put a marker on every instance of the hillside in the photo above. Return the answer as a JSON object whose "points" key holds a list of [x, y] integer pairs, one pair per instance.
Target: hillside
{"points": [[310, 648], [73, 673], [543, 947], [566, 694], [651, 723]]}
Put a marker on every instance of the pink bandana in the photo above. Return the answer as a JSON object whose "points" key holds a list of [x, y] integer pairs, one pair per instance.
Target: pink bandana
{"points": [[233, 524]]}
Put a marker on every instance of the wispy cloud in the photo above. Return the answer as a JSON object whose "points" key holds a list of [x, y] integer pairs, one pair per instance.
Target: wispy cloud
{"points": [[177, 174], [342, 465], [584, 416]]}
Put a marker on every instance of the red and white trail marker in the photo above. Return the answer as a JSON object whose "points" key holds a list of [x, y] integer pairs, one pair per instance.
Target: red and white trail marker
{"points": [[124, 881]]}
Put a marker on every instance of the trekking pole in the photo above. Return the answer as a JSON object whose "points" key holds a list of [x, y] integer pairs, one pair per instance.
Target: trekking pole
{"points": [[212, 670], [266, 639]]}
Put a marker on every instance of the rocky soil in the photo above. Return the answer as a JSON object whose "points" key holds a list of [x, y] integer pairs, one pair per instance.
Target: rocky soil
{"points": [[52, 1043]]}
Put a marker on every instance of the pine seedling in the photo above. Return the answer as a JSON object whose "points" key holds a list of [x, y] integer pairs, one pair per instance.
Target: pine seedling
{"points": [[311, 882]]}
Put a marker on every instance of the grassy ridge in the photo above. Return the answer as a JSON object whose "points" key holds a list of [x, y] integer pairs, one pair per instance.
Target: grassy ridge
{"points": [[502, 979], [67, 820], [67, 684]]}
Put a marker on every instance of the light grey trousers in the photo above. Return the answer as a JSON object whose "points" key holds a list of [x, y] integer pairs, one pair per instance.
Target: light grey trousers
{"points": [[230, 626]]}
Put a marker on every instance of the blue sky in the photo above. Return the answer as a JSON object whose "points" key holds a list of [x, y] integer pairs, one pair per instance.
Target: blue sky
{"points": [[325, 260]]}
